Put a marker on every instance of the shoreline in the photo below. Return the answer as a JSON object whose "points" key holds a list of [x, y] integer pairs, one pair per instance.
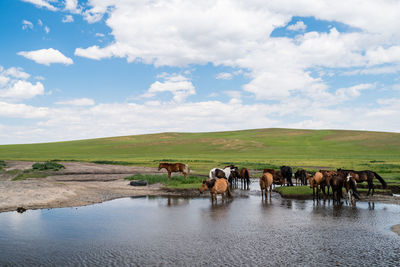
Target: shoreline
{"points": [[82, 184]]}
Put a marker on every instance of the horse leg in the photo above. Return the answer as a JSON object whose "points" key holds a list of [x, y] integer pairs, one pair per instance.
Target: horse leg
{"points": [[184, 174], [270, 190], [169, 175]]}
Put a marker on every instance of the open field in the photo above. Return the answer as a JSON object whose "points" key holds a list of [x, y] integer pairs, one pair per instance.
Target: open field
{"points": [[255, 149]]}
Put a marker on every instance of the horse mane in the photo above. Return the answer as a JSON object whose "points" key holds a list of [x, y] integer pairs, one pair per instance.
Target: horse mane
{"points": [[210, 183]]}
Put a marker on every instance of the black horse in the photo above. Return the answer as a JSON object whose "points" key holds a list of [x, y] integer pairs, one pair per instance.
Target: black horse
{"points": [[287, 173], [302, 175]]}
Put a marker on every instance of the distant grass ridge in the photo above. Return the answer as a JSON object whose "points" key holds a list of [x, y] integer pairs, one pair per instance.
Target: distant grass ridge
{"points": [[255, 149]]}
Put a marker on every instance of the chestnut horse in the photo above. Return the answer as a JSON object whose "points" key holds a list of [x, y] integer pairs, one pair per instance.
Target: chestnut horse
{"points": [[317, 180], [276, 175], [366, 176], [219, 186], [174, 167], [266, 181]]}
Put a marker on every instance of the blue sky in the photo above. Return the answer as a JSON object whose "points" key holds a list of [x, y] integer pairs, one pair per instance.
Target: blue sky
{"points": [[74, 69]]}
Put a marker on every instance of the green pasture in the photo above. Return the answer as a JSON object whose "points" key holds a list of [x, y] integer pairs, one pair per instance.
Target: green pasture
{"points": [[176, 181], [255, 149]]}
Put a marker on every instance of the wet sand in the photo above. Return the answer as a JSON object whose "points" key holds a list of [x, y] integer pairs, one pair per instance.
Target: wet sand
{"points": [[79, 184], [396, 228]]}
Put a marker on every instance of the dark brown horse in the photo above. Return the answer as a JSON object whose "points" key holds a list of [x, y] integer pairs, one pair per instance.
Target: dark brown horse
{"points": [[277, 176], [336, 182], [302, 175], [244, 176], [174, 167], [366, 176]]}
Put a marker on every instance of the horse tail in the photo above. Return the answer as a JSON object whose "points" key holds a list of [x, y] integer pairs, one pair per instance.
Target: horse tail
{"points": [[354, 189], [229, 193], [384, 185], [187, 169], [246, 174]]}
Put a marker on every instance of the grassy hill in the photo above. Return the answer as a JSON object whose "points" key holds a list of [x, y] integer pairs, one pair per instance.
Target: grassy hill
{"points": [[258, 148]]}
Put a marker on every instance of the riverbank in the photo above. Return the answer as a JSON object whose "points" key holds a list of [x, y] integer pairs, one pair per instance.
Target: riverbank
{"points": [[82, 183], [79, 184]]}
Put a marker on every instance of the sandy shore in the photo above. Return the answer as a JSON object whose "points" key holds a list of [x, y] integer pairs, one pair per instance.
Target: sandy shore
{"points": [[396, 228], [79, 184], [82, 183]]}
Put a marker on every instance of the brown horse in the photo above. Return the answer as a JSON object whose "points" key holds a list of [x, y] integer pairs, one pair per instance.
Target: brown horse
{"points": [[315, 181], [328, 177], [266, 181], [276, 175], [244, 176], [336, 182], [302, 175], [220, 186], [366, 176], [174, 167]]}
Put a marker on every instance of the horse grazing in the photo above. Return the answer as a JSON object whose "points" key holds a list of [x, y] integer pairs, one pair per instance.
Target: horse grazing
{"points": [[245, 178], [315, 181], [302, 175], [266, 181], [174, 167], [287, 173], [366, 176], [219, 186]]}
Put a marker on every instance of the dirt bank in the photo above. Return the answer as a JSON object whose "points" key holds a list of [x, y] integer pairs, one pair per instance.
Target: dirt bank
{"points": [[79, 184], [396, 228]]}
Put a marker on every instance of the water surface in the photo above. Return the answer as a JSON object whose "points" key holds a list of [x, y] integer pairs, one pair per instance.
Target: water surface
{"points": [[177, 231]]}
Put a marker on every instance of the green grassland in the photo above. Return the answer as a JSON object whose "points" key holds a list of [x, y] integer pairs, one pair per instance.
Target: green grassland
{"points": [[255, 149], [177, 181]]}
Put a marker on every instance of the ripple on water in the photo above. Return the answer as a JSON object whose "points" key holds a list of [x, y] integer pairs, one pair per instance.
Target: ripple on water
{"points": [[171, 232]]}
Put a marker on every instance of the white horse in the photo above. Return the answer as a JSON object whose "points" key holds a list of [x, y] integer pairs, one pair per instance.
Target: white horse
{"points": [[216, 173]]}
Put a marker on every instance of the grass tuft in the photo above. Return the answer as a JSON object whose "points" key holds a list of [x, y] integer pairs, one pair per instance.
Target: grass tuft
{"points": [[174, 182]]}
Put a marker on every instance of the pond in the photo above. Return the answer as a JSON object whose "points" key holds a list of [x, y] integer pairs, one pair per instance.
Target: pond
{"points": [[192, 232]]}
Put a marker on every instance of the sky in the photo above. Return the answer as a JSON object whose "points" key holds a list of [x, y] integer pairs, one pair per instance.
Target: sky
{"points": [[72, 69]]}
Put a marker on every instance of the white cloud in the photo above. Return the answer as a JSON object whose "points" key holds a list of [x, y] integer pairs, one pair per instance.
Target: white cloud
{"points": [[99, 34], [299, 26], [46, 56], [27, 24], [67, 19], [40, 22], [178, 85], [22, 90], [21, 111], [42, 3], [78, 102], [224, 76], [72, 6], [46, 29], [16, 73]]}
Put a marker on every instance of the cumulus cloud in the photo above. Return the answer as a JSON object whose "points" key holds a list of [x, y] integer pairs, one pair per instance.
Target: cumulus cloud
{"points": [[46, 56], [299, 26], [72, 6], [77, 102], [67, 19], [22, 90], [42, 3], [180, 87]]}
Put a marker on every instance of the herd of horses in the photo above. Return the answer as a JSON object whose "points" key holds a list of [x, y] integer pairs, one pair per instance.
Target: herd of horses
{"points": [[222, 180]]}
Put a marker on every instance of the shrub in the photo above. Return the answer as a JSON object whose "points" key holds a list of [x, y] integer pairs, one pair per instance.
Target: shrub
{"points": [[48, 165]]}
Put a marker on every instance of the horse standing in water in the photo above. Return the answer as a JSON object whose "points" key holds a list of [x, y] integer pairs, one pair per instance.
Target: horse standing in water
{"points": [[366, 176], [219, 186], [266, 181], [174, 167], [302, 175], [245, 178]]}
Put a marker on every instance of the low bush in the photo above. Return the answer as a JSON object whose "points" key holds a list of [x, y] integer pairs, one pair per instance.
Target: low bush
{"points": [[48, 165]]}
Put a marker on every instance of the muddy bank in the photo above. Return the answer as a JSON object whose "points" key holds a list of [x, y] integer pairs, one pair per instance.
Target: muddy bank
{"points": [[396, 228], [79, 184]]}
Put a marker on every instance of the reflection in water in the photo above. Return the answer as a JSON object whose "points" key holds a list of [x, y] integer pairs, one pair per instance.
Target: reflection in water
{"points": [[193, 231]]}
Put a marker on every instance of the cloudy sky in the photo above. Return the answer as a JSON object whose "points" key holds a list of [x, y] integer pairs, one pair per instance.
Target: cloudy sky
{"points": [[74, 69]]}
